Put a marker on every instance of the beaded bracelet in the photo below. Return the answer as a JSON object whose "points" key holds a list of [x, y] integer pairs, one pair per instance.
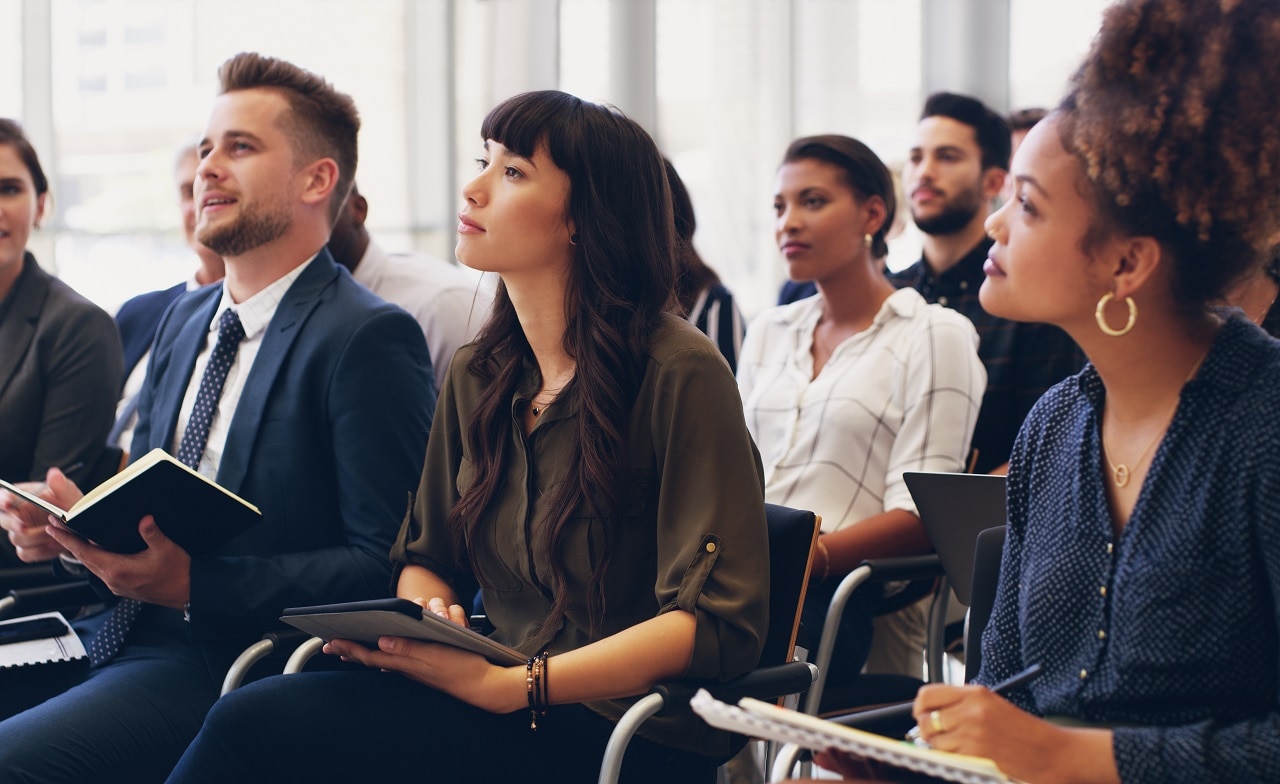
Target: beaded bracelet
{"points": [[535, 680]]}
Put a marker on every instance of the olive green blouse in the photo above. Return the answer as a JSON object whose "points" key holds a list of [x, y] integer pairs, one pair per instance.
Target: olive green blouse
{"points": [[692, 535]]}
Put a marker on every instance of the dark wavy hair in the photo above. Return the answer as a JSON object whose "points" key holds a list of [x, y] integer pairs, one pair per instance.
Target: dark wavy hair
{"points": [[860, 169], [1174, 116], [621, 282]]}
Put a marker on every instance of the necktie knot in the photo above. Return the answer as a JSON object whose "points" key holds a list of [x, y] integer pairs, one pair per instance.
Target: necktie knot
{"points": [[229, 327]]}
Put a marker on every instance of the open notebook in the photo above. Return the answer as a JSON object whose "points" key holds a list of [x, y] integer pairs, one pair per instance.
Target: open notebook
{"points": [[765, 720]]}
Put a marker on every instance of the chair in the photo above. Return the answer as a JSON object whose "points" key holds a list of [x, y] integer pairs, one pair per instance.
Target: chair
{"points": [[792, 537], [922, 570], [895, 720]]}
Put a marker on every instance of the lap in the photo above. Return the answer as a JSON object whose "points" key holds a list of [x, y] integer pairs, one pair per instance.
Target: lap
{"points": [[129, 720], [367, 725]]}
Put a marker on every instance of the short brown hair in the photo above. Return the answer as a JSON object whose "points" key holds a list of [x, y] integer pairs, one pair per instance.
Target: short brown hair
{"points": [[323, 122], [1173, 114]]}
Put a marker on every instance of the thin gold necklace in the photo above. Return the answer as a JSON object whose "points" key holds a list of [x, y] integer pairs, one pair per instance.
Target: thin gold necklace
{"points": [[1120, 472]]}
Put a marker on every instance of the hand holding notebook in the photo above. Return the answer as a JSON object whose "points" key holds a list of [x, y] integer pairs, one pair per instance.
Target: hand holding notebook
{"points": [[190, 509]]}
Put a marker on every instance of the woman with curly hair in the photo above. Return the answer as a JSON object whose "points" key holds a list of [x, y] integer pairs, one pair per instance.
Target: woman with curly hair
{"points": [[588, 467], [1142, 565]]}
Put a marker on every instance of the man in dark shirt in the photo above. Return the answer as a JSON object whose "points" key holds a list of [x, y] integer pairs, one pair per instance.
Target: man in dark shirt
{"points": [[955, 169]]}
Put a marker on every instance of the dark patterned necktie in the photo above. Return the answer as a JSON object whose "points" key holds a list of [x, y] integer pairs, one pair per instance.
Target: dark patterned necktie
{"points": [[109, 639]]}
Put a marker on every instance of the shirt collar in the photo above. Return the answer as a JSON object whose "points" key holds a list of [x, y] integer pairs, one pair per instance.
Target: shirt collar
{"points": [[968, 268], [256, 312]]}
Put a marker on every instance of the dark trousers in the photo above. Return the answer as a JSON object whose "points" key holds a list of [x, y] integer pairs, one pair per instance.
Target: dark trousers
{"points": [[376, 726], [129, 720]]}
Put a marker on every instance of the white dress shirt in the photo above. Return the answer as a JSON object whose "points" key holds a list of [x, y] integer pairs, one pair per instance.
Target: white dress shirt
{"points": [[448, 302], [255, 314]]}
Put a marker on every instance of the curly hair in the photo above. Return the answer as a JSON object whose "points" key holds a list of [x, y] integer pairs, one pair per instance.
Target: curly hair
{"points": [[1174, 116]]}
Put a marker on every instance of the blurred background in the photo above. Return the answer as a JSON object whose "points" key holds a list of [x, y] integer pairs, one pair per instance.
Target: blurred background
{"points": [[109, 89]]}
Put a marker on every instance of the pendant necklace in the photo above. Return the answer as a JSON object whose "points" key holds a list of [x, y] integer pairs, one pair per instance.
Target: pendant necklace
{"points": [[1120, 472]]}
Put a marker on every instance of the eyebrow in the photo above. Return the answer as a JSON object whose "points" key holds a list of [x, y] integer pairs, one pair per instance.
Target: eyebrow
{"points": [[231, 136], [12, 181], [507, 152], [1027, 179]]}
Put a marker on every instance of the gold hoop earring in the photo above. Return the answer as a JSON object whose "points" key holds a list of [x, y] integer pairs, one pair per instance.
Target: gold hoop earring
{"points": [[866, 241], [1100, 313]]}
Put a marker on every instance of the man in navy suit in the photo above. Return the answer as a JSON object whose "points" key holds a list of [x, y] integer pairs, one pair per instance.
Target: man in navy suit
{"points": [[321, 421], [139, 317]]}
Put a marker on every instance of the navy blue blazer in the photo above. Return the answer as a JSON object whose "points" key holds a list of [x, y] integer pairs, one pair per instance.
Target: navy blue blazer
{"points": [[138, 318], [327, 440]]}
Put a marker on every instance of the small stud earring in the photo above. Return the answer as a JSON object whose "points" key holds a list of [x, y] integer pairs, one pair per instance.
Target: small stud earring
{"points": [[866, 241], [573, 239]]}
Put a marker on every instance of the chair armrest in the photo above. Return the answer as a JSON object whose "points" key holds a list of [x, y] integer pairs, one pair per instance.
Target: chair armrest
{"points": [[27, 601], [668, 698], [29, 576], [272, 642], [765, 683], [914, 567]]}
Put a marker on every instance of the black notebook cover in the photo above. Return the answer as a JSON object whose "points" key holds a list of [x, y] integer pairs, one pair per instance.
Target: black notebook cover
{"points": [[193, 511]]}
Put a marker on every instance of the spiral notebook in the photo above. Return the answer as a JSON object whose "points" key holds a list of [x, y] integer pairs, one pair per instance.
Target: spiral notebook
{"points": [[765, 720], [47, 650]]}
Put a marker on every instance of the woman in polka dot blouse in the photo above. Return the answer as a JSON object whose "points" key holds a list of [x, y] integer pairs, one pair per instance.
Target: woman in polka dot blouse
{"points": [[1142, 567]]}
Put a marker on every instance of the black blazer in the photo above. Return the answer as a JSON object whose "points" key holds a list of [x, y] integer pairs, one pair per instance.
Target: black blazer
{"points": [[60, 375]]}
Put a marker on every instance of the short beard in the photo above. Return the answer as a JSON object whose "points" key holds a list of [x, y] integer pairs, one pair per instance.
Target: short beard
{"points": [[250, 231], [954, 216]]}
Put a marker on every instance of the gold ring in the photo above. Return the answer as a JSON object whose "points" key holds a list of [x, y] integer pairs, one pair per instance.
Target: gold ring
{"points": [[935, 721]]}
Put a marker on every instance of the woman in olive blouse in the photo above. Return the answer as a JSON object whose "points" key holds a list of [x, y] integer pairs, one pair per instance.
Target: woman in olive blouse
{"points": [[588, 468]]}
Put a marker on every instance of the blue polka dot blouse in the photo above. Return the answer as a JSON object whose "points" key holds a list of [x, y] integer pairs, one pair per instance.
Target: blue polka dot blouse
{"points": [[1167, 632]]}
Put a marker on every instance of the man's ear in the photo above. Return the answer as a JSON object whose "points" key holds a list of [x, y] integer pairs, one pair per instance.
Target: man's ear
{"points": [[993, 178], [321, 178]]}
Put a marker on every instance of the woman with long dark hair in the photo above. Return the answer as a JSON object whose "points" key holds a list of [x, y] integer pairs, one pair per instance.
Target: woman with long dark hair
{"points": [[588, 468]]}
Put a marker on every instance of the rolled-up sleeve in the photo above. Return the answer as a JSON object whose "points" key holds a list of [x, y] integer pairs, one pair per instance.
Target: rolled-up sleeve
{"points": [[712, 545]]}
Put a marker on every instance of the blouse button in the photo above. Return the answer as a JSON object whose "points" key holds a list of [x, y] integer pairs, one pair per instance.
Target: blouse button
{"points": [[964, 285], [1102, 589], [1102, 634], [1084, 674], [942, 301], [1110, 547], [711, 547]]}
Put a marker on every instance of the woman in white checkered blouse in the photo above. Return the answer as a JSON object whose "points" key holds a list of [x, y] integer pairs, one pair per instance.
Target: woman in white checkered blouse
{"points": [[846, 390]]}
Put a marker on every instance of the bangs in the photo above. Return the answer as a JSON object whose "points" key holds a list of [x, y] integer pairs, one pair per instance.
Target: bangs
{"points": [[524, 121]]}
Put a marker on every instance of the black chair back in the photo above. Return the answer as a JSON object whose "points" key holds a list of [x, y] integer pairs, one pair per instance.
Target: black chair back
{"points": [[792, 534], [986, 573]]}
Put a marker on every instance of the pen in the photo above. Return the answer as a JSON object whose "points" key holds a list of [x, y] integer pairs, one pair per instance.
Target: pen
{"points": [[1004, 686], [73, 467]]}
